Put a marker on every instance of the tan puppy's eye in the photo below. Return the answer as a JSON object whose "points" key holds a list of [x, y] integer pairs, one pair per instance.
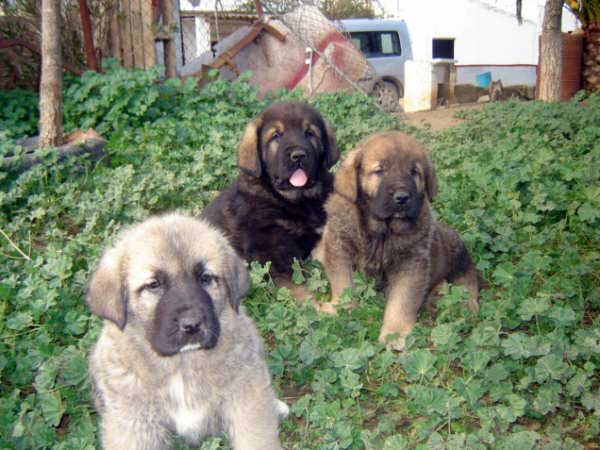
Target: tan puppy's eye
{"points": [[276, 135], [378, 172], [415, 172]]}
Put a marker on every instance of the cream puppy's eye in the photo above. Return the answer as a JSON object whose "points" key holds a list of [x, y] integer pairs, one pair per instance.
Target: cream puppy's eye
{"points": [[152, 285], [206, 279]]}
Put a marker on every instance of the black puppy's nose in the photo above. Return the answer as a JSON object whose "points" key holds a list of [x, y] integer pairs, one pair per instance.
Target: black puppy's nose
{"points": [[297, 155], [189, 325], [401, 197]]}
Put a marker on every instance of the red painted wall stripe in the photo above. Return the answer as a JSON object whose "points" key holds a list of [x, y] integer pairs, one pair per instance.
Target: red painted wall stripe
{"points": [[331, 38]]}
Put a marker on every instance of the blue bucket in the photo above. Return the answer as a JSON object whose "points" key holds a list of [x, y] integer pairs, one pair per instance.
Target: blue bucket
{"points": [[484, 79]]}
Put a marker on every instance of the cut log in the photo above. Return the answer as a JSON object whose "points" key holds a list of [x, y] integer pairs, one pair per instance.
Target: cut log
{"points": [[77, 143]]}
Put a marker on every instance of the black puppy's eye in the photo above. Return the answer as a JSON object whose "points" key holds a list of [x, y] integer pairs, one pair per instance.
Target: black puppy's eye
{"points": [[309, 133], [415, 172]]}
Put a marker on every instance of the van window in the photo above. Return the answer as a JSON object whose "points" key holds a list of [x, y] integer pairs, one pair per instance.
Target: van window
{"points": [[361, 41], [377, 43]]}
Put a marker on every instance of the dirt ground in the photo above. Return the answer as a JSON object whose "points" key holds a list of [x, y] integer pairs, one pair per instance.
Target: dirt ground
{"points": [[440, 118]]}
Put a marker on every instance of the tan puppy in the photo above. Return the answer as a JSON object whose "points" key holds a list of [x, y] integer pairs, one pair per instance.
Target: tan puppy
{"points": [[379, 222], [177, 353]]}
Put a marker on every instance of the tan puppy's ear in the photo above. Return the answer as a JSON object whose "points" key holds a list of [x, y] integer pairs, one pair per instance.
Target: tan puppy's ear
{"points": [[430, 179], [107, 295], [346, 178], [237, 281], [333, 152], [248, 157]]}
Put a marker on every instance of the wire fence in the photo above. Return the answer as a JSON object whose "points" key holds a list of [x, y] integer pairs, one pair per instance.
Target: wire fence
{"points": [[299, 48], [333, 61], [314, 55]]}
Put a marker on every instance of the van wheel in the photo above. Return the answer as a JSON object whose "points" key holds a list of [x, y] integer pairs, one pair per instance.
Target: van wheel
{"points": [[386, 95]]}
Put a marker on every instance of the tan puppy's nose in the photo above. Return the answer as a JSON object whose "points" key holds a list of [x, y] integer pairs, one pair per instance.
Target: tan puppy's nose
{"points": [[401, 197]]}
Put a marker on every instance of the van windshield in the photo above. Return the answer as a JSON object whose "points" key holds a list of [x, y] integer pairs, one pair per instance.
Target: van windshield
{"points": [[377, 43]]}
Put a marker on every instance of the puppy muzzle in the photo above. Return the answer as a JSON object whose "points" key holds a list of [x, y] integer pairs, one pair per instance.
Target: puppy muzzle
{"points": [[183, 323], [197, 330], [396, 201], [297, 167]]}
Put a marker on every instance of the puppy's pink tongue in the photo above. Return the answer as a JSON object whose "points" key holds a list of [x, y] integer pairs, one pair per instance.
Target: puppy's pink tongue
{"points": [[298, 178]]}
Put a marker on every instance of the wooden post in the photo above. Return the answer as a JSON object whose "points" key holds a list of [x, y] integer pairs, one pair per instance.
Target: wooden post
{"points": [[259, 8], [169, 44], [116, 40], [136, 33], [148, 34], [126, 33]]}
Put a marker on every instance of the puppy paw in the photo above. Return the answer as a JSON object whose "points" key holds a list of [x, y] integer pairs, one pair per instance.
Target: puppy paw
{"points": [[300, 292], [281, 409], [392, 341], [327, 308], [473, 305]]}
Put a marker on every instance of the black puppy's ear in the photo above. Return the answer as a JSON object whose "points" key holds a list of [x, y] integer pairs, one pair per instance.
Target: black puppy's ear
{"points": [[237, 280], [107, 295], [346, 178], [333, 152], [430, 180], [248, 151]]}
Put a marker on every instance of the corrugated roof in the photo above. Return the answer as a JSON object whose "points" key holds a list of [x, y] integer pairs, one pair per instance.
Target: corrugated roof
{"points": [[231, 15]]}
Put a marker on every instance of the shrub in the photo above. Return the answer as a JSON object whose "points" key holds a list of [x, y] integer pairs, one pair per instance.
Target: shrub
{"points": [[519, 181]]}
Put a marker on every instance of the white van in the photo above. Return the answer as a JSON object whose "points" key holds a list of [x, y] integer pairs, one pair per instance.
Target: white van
{"points": [[386, 45]]}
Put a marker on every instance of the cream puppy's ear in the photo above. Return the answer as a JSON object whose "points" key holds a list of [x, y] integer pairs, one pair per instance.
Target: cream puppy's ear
{"points": [[107, 295], [237, 280]]}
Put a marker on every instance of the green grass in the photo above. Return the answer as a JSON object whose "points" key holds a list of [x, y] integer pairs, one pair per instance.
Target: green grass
{"points": [[520, 181]]}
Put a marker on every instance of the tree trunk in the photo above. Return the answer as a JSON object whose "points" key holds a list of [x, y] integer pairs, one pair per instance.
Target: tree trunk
{"points": [[51, 80], [591, 58], [551, 52], [88, 37]]}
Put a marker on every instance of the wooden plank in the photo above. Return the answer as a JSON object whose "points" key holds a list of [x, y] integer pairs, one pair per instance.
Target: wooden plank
{"points": [[253, 32], [137, 33], [169, 46], [148, 34], [125, 22], [115, 33]]}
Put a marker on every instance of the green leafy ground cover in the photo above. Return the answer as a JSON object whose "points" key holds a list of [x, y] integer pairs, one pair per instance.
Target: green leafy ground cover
{"points": [[519, 181]]}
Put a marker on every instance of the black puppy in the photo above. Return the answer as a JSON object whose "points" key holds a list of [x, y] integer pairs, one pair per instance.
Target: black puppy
{"points": [[274, 210]]}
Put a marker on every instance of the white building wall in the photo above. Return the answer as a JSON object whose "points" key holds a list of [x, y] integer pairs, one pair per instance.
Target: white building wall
{"points": [[208, 5], [486, 31], [534, 10]]}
